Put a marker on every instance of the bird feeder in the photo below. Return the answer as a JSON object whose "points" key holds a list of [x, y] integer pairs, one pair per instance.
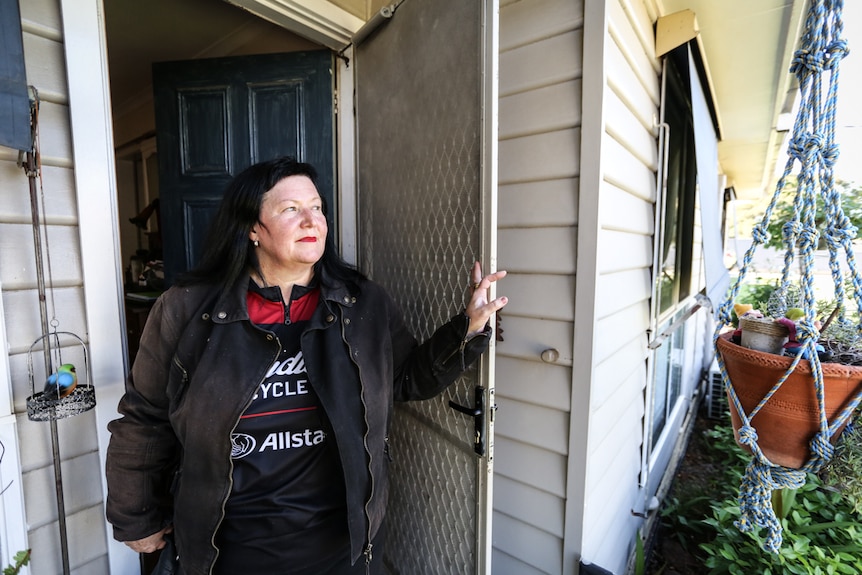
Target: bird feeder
{"points": [[44, 406]]}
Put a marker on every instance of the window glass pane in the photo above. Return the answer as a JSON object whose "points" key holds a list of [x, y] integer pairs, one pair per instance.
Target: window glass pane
{"points": [[667, 386], [677, 357], [669, 277], [659, 409], [676, 249]]}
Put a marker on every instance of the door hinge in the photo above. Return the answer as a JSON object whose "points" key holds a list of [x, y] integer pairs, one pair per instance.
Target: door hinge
{"points": [[335, 103]]}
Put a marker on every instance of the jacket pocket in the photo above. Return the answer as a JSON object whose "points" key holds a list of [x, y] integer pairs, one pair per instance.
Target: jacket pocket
{"points": [[178, 382]]}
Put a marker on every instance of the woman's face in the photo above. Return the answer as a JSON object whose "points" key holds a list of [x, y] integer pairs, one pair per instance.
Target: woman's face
{"points": [[292, 228]]}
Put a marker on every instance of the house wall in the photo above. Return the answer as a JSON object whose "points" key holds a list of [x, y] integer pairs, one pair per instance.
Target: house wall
{"points": [[78, 438], [579, 100], [569, 431], [539, 131], [626, 97]]}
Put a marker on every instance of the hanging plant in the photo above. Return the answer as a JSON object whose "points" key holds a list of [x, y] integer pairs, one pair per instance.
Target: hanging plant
{"points": [[789, 399]]}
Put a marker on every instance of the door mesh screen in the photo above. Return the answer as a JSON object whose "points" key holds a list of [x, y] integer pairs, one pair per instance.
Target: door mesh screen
{"points": [[419, 134]]}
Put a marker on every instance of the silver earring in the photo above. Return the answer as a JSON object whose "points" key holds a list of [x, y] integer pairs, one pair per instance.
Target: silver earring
{"points": [[256, 243]]}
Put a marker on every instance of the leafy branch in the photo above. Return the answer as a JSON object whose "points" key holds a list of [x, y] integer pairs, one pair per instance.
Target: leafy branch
{"points": [[21, 558]]}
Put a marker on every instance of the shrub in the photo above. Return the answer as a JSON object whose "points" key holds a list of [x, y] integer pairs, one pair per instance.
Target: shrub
{"points": [[844, 472], [821, 534], [822, 531]]}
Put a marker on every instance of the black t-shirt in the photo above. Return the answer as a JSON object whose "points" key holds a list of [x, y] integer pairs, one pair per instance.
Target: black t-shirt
{"points": [[286, 512]]}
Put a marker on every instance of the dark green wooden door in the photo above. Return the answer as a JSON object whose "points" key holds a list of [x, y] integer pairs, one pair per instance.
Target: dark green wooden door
{"points": [[216, 117]]}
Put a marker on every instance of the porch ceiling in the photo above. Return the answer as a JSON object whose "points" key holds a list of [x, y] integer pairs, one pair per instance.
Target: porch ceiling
{"points": [[748, 47], [140, 33]]}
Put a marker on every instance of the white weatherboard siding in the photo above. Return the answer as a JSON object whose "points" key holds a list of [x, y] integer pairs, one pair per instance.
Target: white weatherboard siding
{"points": [[628, 102], [579, 91], [44, 58], [627, 98], [540, 107]]}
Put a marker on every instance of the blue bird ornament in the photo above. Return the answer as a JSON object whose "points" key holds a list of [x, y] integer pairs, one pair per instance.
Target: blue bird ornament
{"points": [[62, 383]]}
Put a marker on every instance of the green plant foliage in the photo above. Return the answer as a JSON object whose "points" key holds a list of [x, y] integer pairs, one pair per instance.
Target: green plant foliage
{"points": [[822, 532], [757, 294], [683, 514], [851, 203], [640, 556], [844, 472], [821, 535], [21, 558]]}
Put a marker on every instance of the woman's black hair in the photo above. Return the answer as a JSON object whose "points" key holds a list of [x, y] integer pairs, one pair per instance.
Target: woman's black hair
{"points": [[229, 251]]}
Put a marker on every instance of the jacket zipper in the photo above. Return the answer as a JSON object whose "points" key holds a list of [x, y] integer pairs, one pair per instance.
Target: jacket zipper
{"points": [[368, 548], [460, 349], [230, 475], [178, 473]]}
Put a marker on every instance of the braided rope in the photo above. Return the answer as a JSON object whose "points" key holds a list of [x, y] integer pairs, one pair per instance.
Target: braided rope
{"points": [[813, 146]]}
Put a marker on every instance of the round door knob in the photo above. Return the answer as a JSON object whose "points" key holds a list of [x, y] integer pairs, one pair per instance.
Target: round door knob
{"points": [[550, 355]]}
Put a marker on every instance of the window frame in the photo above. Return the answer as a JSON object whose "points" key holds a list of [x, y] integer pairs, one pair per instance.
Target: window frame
{"points": [[679, 186], [676, 330]]}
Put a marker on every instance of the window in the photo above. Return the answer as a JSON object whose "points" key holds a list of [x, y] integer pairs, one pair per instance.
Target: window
{"points": [[677, 227], [688, 181]]}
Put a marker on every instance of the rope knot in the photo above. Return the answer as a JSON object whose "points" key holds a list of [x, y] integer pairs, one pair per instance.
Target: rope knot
{"points": [[807, 239], [829, 154], [805, 331], [796, 146], [759, 234], [836, 52], [791, 229], [747, 435], [821, 446], [813, 149], [805, 59], [839, 235], [755, 499]]}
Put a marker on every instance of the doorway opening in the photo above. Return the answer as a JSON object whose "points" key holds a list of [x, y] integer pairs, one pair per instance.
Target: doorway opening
{"points": [[138, 35]]}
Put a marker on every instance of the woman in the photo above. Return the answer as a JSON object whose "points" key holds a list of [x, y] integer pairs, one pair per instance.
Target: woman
{"points": [[255, 419]]}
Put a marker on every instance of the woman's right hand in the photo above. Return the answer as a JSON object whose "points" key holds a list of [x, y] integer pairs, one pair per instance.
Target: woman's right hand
{"points": [[151, 543]]}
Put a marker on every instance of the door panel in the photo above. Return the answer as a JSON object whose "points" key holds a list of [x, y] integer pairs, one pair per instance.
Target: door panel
{"points": [[204, 127], [216, 117], [277, 112], [419, 96]]}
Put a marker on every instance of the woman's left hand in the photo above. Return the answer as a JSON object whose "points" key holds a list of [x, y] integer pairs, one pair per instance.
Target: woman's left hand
{"points": [[479, 309]]}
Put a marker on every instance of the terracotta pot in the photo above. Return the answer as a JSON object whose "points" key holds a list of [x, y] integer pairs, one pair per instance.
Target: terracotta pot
{"points": [[788, 421]]}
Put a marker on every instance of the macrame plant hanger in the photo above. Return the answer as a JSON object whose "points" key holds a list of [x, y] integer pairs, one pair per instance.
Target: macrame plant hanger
{"points": [[44, 405], [816, 66]]}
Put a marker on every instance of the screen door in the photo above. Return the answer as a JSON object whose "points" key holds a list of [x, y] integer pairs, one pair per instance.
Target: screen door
{"points": [[423, 207]]}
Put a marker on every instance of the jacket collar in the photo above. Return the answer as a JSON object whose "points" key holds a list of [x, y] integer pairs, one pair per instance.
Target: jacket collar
{"points": [[231, 304]]}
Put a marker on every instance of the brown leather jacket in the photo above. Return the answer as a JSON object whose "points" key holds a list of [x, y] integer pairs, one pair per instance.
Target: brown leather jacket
{"points": [[198, 366]]}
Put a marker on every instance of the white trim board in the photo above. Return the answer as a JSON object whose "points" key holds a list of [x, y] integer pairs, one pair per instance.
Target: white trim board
{"points": [[93, 150], [13, 519], [317, 20]]}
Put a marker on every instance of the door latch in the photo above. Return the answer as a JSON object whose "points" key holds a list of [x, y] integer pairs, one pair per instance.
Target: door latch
{"points": [[478, 414]]}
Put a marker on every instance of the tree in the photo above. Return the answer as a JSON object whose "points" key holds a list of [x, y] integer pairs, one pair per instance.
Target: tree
{"points": [[851, 203]]}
